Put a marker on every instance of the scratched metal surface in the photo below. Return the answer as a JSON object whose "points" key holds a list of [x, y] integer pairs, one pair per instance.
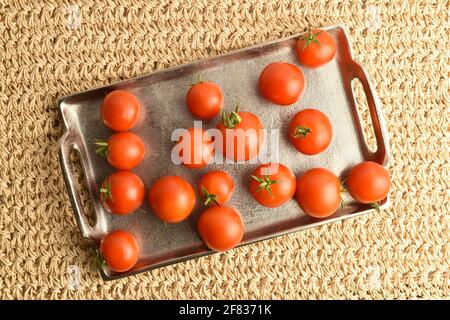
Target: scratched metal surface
{"points": [[162, 95]]}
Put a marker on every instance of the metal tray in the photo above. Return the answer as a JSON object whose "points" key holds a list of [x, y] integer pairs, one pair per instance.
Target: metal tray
{"points": [[162, 95]]}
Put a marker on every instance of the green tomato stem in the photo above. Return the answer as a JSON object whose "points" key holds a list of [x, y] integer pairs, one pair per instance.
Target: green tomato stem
{"points": [[265, 183], [301, 131]]}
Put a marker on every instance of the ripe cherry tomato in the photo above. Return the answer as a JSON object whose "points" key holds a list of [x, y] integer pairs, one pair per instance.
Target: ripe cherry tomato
{"points": [[120, 250], [172, 198], [122, 192], [310, 131], [318, 192], [316, 48], [120, 110], [204, 100], [272, 184], [243, 135], [221, 228], [282, 83], [368, 182], [216, 187], [197, 148], [123, 150]]}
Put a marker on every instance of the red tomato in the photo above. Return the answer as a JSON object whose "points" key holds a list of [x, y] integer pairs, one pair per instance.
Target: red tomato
{"points": [[204, 100], [316, 48], [172, 198], [122, 192], [216, 187], [272, 184], [310, 131], [243, 135], [282, 83], [368, 182], [123, 150], [221, 228], [197, 148], [318, 192], [120, 110], [120, 250]]}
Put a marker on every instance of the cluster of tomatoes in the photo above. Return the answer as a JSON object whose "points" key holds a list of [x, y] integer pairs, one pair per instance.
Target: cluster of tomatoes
{"points": [[172, 198]]}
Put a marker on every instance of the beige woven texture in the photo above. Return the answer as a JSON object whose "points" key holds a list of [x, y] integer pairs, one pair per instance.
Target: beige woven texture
{"points": [[403, 252]]}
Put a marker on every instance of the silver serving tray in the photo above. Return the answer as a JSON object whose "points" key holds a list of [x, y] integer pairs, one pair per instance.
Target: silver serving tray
{"points": [[162, 95]]}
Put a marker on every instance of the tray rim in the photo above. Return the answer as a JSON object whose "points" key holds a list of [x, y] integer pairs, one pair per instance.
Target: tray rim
{"points": [[66, 132]]}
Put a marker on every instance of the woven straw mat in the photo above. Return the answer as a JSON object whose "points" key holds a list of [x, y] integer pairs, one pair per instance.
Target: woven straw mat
{"points": [[53, 48]]}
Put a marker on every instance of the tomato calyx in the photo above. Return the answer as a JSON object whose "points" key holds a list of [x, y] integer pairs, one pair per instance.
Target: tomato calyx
{"points": [[209, 197], [105, 192], [199, 81], [341, 199], [301, 131], [376, 206], [99, 259], [230, 120], [265, 183], [102, 147], [311, 38]]}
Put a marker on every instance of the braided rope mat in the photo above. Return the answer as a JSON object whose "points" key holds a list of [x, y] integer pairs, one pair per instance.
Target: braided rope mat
{"points": [[47, 52]]}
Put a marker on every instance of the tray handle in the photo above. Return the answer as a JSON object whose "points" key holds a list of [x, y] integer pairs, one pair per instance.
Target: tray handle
{"points": [[66, 145], [379, 126]]}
